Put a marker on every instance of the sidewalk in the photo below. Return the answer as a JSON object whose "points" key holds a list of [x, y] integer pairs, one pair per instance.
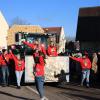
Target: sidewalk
{"points": [[12, 93]]}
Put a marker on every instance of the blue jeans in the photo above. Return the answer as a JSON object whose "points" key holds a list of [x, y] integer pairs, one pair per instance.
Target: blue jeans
{"points": [[39, 80], [5, 74], [85, 75]]}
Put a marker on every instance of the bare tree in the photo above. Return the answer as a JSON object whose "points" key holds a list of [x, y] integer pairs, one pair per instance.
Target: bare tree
{"points": [[69, 38], [19, 21]]}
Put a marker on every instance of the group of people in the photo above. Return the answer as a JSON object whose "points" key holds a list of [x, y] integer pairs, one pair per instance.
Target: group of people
{"points": [[87, 65], [5, 62], [39, 55]]}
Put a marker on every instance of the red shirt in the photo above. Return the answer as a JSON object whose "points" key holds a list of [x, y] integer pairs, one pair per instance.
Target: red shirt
{"points": [[39, 67], [85, 62], [19, 64], [7, 57], [52, 51]]}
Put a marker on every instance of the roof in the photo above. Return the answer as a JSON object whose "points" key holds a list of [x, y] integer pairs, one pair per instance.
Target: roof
{"points": [[52, 30], [26, 28], [90, 11]]}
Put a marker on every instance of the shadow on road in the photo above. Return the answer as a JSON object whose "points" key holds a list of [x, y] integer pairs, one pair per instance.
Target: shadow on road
{"points": [[81, 96], [18, 97]]}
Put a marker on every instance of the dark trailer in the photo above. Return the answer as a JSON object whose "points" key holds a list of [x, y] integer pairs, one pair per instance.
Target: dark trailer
{"points": [[88, 28]]}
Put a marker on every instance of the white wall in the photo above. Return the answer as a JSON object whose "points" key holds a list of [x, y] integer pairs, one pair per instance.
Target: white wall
{"points": [[62, 41], [3, 31]]}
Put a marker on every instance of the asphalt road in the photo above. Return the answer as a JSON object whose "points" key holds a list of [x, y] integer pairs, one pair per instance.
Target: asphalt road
{"points": [[71, 92], [66, 92], [12, 93]]}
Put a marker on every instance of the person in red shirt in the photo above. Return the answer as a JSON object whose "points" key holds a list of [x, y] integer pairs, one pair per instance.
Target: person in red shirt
{"points": [[86, 66], [39, 63], [4, 62], [36, 45], [19, 67], [39, 73], [52, 50], [38, 56]]}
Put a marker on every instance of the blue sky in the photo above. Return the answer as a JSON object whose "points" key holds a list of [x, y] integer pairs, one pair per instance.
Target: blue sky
{"points": [[46, 13]]}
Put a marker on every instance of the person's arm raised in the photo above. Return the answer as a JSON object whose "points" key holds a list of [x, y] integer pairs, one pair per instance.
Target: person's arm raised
{"points": [[74, 58], [29, 44], [13, 56]]}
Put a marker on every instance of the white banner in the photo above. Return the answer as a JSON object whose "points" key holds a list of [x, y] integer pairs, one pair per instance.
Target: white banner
{"points": [[56, 69]]}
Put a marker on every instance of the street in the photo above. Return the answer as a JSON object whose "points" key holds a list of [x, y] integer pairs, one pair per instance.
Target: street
{"points": [[67, 92], [12, 93]]}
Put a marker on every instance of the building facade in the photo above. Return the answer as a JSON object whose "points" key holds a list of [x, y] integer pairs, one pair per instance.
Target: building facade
{"points": [[88, 28], [4, 27]]}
